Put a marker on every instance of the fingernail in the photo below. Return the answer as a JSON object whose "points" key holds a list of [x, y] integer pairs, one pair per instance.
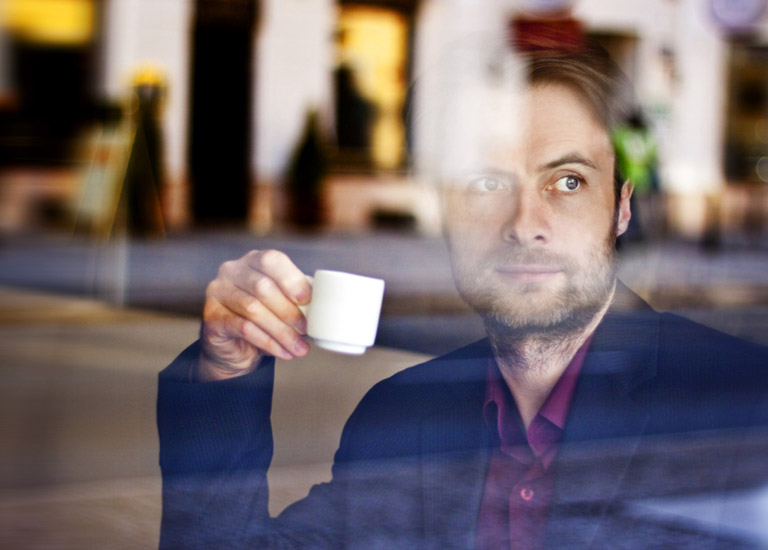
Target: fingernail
{"points": [[301, 347]]}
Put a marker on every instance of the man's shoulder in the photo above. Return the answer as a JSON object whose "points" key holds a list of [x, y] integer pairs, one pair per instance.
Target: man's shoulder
{"points": [[460, 370], [708, 379], [685, 375], [444, 391], [676, 341], [636, 326], [683, 338], [456, 375], [459, 365]]}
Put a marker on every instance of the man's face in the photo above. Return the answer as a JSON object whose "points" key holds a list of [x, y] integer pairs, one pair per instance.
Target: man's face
{"points": [[531, 227]]}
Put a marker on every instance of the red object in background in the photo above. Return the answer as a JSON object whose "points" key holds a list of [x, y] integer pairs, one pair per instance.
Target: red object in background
{"points": [[530, 35]]}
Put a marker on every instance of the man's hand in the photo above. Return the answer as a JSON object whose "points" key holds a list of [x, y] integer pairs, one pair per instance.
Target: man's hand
{"points": [[252, 309]]}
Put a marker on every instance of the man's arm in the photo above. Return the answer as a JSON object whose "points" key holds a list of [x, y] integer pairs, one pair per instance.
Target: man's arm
{"points": [[214, 404], [215, 449]]}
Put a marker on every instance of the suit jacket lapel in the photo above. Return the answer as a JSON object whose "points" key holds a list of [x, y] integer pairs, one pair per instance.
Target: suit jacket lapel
{"points": [[454, 447], [604, 428]]}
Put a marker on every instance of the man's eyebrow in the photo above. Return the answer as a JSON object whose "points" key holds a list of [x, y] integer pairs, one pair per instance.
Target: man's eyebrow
{"points": [[571, 158]]}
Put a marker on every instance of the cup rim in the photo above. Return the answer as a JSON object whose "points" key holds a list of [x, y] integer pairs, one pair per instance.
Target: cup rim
{"points": [[346, 273]]}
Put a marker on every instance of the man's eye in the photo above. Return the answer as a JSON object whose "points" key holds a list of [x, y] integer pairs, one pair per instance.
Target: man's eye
{"points": [[486, 184], [567, 184]]}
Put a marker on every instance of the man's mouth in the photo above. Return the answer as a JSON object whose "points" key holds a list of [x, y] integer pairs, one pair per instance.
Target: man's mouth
{"points": [[529, 273]]}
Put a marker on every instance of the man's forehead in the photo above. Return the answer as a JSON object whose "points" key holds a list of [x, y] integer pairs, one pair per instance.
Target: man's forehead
{"points": [[491, 127], [480, 119]]}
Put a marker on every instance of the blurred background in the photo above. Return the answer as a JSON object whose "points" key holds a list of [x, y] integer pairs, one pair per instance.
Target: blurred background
{"points": [[226, 93], [143, 142]]}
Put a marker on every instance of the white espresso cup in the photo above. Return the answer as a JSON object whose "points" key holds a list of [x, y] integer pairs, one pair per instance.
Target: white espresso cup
{"points": [[343, 315]]}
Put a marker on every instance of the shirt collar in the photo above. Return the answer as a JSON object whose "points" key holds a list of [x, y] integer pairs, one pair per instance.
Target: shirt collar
{"points": [[545, 432], [558, 402]]}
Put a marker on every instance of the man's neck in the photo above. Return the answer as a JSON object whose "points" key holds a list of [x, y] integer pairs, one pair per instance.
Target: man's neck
{"points": [[531, 363]]}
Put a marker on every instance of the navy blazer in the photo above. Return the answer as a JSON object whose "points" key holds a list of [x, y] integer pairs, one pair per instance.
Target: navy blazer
{"points": [[663, 406]]}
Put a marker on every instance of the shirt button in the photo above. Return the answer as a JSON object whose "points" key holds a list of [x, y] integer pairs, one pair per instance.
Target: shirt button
{"points": [[526, 494]]}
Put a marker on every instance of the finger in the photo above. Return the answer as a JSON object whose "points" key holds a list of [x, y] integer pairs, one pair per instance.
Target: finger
{"points": [[268, 344], [250, 308], [279, 267], [267, 291], [225, 334]]}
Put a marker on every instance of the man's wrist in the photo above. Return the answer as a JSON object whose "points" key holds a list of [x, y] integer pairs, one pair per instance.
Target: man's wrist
{"points": [[210, 369]]}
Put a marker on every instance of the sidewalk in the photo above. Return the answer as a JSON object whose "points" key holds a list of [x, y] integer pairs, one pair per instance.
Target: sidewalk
{"points": [[77, 403], [79, 461]]}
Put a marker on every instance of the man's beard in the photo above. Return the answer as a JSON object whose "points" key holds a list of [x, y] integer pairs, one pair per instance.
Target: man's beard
{"points": [[532, 308]]}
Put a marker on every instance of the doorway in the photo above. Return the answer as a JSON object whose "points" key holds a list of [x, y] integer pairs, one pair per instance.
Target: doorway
{"points": [[221, 104]]}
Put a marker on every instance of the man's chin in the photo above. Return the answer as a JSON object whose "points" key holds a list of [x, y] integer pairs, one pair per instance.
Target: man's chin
{"points": [[542, 322], [531, 311]]}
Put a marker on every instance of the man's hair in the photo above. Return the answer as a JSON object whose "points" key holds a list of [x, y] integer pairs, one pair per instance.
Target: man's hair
{"points": [[590, 72]]}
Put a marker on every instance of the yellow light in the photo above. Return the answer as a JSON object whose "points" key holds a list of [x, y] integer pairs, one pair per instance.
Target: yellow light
{"points": [[58, 22], [148, 74], [375, 46]]}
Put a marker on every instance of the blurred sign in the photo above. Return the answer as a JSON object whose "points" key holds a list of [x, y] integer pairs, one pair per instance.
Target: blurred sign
{"points": [[108, 148]]}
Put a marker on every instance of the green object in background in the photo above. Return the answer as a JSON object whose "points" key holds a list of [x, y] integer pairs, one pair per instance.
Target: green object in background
{"points": [[636, 155]]}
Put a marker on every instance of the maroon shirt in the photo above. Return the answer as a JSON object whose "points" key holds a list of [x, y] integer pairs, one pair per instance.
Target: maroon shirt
{"points": [[519, 484]]}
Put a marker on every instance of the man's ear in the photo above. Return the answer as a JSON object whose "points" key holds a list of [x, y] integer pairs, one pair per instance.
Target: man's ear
{"points": [[624, 214]]}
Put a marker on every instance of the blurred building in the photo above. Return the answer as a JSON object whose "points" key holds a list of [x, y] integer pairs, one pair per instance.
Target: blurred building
{"points": [[243, 76]]}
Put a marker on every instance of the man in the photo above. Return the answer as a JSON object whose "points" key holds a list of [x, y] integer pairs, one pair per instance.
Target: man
{"points": [[536, 436]]}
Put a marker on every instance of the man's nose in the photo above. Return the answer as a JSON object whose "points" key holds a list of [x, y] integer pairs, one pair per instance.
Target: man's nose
{"points": [[528, 222]]}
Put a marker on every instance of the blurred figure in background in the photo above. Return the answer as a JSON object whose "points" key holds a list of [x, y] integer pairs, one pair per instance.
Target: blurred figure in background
{"points": [[144, 173], [637, 161]]}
